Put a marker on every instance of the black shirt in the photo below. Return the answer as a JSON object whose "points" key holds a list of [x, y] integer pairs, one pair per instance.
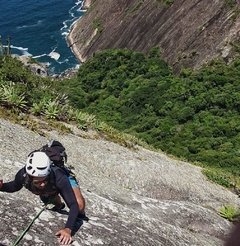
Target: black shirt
{"points": [[61, 186]]}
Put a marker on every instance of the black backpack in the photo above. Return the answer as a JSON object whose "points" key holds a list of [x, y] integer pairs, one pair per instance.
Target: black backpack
{"points": [[56, 152]]}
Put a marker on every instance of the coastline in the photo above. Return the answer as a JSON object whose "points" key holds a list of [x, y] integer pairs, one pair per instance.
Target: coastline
{"points": [[72, 44], [70, 37], [86, 4]]}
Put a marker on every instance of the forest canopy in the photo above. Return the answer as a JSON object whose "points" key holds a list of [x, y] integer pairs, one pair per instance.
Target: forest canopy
{"points": [[194, 115]]}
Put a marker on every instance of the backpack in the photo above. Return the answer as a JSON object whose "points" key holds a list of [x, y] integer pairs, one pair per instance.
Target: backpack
{"points": [[56, 152]]}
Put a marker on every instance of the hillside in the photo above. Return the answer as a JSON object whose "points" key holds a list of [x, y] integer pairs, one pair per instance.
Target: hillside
{"points": [[134, 197], [189, 32]]}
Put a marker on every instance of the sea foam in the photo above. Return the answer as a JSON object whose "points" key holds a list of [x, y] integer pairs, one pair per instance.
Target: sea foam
{"points": [[54, 55]]}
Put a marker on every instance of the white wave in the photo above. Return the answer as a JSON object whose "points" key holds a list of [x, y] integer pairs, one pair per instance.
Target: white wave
{"points": [[65, 61], [54, 55], [33, 25], [23, 50], [82, 10], [72, 14], [79, 2], [18, 48], [77, 7], [67, 24], [64, 25], [25, 53], [72, 25], [65, 33], [34, 57]]}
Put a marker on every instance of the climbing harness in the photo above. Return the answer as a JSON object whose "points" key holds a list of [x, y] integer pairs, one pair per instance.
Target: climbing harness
{"points": [[30, 224]]}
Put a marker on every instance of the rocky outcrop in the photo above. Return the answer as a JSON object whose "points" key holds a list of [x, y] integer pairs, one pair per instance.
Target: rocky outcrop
{"points": [[189, 32], [39, 69], [134, 197]]}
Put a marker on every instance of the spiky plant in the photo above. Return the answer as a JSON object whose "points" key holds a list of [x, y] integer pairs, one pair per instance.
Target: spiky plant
{"points": [[37, 108], [85, 120], [10, 97], [71, 114], [52, 109], [229, 212], [100, 125], [64, 107]]}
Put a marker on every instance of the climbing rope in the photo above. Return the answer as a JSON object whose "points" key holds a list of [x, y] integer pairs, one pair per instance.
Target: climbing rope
{"points": [[28, 227]]}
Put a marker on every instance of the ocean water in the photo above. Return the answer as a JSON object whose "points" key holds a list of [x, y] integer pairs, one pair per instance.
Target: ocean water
{"points": [[38, 28]]}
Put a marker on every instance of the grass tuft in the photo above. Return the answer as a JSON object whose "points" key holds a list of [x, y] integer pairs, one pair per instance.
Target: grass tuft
{"points": [[229, 212]]}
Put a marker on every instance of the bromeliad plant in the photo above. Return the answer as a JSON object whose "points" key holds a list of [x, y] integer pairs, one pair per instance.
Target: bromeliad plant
{"points": [[229, 212], [85, 120], [38, 107], [52, 108], [11, 97]]}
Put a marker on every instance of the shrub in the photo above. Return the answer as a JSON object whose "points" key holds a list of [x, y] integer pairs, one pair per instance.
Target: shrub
{"points": [[229, 212]]}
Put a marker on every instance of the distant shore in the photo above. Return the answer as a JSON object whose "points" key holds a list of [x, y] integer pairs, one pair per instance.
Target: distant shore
{"points": [[71, 36]]}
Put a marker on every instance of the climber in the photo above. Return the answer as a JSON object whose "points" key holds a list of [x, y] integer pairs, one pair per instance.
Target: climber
{"points": [[42, 178]]}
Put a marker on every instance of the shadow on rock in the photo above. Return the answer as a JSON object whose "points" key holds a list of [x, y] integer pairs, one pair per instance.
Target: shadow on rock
{"points": [[234, 238], [60, 211]]}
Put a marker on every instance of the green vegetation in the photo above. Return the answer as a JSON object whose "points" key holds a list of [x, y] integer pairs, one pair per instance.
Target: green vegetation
{"points": [[133, 8], [229, 212], [166, 2], [97, 24], [230, 3], [5, 50], [194, 116], [23, 94], [130, 96], [220, 177]]}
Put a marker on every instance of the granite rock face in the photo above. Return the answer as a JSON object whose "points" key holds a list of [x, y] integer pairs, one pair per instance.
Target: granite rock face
{"points": [[189, 32], [133, 197]]}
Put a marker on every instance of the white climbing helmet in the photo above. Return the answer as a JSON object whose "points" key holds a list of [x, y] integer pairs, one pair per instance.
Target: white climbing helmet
{"points": [[38, 164]]}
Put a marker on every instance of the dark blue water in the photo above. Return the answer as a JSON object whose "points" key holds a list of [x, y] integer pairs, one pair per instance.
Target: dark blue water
{"points": [[38, 28]]}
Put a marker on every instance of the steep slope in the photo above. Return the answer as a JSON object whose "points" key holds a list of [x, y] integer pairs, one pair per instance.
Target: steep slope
{"points": [[189, 32], [134, 197]]}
